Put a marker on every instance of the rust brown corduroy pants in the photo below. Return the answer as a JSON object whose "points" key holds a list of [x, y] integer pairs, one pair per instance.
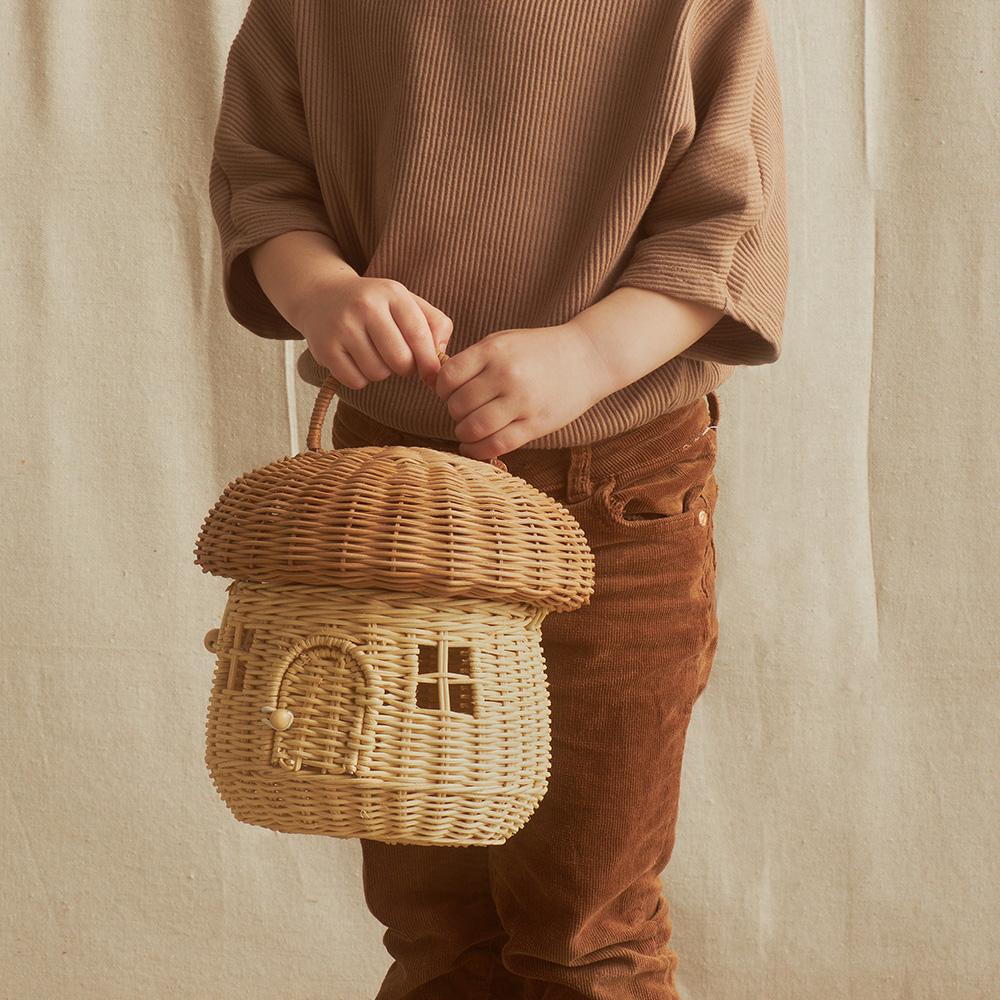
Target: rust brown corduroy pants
{"points": [[571, 904]]}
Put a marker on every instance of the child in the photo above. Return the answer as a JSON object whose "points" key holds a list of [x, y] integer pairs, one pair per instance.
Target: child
{"points": [[584, 202]]}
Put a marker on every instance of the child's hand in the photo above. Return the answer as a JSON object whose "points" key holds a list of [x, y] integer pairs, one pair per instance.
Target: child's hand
{"points": [[515, 385], [365, 329]]}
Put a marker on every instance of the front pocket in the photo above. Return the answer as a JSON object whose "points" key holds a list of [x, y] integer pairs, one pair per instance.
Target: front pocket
{"points": [[661, 498], [695, 516]]}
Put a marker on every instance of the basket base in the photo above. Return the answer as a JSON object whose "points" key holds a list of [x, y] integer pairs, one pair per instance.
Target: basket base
{"points": [[296, 803]]}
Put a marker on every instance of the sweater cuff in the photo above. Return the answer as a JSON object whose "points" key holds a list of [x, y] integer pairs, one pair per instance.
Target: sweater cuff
{"points": [[310, 370], [750, 293]]}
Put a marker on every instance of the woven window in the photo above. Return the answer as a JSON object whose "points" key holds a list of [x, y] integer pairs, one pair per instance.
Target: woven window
{"points": [[239, 653], [444, 678]]}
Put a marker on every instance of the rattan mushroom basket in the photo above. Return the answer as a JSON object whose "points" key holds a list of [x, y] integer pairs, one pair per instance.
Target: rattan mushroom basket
{"points": [[379, 667]]}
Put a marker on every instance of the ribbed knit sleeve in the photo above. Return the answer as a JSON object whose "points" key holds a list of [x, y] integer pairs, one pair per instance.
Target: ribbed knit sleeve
{"points": [[715, 230], [262, 179]]}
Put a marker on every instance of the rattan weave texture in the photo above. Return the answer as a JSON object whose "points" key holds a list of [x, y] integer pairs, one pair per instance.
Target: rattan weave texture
{"points": [[379, 665], [405, 518]]}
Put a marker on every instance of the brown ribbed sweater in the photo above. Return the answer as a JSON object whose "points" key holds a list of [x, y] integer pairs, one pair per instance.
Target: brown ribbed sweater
{"points": [[514, 161]]}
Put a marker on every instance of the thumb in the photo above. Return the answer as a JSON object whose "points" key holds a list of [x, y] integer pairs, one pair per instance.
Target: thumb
{"points": [[441, 330], [441, 325]]}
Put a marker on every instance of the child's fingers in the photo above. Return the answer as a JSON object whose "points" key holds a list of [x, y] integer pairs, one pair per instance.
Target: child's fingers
{"points": [[416, 332], [485, 420], [461, 367], [470, 396], [507, 439], [344, 370], [365, 355], [389, 341], [440, 323]]}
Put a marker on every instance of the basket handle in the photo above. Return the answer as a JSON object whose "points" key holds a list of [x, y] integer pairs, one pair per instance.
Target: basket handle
{"points": [[322, 405]]}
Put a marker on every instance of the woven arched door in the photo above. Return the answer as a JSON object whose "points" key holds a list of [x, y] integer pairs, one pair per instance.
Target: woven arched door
{"points": [[328, 685]]}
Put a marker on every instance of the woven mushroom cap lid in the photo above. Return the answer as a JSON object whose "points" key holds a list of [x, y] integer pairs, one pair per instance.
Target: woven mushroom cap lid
{"points": [[404, 518]]}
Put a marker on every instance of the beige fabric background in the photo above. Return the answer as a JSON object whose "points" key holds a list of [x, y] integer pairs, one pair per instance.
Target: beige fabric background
{"points": [[839, 829]]}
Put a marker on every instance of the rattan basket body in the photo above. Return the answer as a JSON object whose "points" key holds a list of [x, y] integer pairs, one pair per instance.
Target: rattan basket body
{"points": [[379, 663]]}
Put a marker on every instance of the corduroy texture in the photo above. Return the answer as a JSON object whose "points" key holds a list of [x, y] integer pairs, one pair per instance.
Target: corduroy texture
{"points": [[572, 904], [513, 163]]}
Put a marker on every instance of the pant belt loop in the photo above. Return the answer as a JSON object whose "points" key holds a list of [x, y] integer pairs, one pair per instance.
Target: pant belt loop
{"points": [[578, 484]]}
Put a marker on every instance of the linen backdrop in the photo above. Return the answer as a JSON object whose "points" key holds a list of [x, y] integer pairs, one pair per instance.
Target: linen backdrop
{"points": [[839, 830]]}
